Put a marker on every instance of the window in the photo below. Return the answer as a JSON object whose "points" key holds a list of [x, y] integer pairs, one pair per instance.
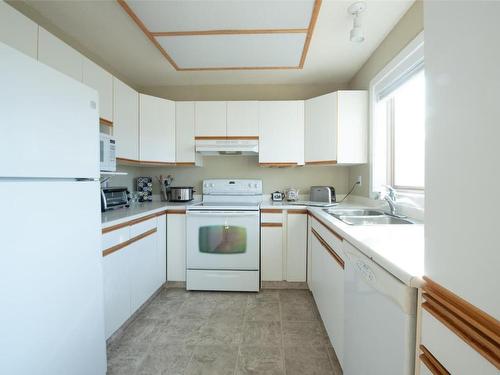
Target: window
{"points": [[398, 123]]}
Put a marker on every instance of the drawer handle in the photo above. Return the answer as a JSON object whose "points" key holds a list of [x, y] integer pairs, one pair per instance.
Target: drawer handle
{"points": [[327, 247]]}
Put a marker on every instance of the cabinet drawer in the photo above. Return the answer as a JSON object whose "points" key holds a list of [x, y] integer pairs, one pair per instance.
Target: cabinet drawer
{"points": [[115, 237], [334, 240], [143, 226], [271, 216]]}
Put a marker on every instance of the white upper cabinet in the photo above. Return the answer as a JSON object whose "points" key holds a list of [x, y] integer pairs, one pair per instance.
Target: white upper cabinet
{"points": [[184, 134], [100, 80], [57, 54], [243, 119], [126, 120], [210, 119], [336, 127], [281, 132], [18, 31], [156, 129]]}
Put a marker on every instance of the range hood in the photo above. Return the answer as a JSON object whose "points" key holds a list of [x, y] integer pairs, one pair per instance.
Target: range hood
{"points": [[227, 146]]}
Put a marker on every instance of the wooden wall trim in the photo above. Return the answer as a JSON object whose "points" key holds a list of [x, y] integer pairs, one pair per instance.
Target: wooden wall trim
{"points": [[431, 362], [321, 162], [120, 246], [269, 225], [271, 210], [328, 248], [475, 327], [327, 227], [103, 121], [310, 31], [230, 32], [226, 138]]}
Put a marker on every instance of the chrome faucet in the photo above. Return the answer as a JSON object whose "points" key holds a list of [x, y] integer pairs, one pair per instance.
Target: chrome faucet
{"points": [[390, 198]]}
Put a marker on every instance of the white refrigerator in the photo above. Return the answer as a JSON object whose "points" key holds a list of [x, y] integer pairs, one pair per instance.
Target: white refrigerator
{"points": [[51, 298]]}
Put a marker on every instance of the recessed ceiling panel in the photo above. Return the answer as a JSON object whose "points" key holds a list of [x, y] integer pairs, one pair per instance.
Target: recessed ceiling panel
{"points": [[235, 51], [196, 15]]}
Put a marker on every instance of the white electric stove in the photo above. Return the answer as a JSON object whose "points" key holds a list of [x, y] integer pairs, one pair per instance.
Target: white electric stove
{"points": [[223, 237]]}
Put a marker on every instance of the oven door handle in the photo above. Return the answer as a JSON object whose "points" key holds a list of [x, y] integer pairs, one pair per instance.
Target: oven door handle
{"points": [[223, 213]]}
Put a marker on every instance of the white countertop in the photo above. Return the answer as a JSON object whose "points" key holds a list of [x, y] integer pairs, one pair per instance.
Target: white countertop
{"points": [[398, 248], [137, 210]]}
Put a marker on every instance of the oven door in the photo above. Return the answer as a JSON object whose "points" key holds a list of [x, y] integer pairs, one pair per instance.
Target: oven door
{"points": [[223, 240]]}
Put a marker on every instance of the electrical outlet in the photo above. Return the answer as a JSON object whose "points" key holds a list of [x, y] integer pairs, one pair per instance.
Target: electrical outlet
{"points": [[359, 180]]}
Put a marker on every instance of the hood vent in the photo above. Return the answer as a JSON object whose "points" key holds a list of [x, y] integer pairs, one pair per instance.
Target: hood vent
{"points": [[227, 146]]}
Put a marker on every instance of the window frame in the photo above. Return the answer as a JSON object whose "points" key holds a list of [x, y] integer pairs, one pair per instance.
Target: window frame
{"points": [[406, 60]]}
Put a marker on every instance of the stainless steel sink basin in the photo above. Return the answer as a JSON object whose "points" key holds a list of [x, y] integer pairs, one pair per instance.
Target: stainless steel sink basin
{"points": [[373, 220], [337, 212]]}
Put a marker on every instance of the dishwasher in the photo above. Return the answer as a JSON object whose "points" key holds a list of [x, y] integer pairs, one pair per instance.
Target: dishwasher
{"points": [[380, 319]]}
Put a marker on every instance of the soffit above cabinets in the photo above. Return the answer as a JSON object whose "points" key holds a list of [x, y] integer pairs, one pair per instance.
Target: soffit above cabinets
{"points": [[228, 35]]}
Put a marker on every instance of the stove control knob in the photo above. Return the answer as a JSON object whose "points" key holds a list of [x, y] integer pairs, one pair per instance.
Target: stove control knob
{"points": [[212, 185], [249, 185], [255, 186]]}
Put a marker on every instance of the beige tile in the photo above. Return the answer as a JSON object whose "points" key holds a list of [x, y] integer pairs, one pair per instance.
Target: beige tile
{"points": [[221, 333], [262, 333], [295, 296], [213, 360], [299, 311], [303, 333], [266, 295], [307, 360], [166, 359], [262, 311], [260, 360], [185, 331]]}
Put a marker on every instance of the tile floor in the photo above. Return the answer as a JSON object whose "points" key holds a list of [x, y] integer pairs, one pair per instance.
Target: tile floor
{"points": [[273, 332]]}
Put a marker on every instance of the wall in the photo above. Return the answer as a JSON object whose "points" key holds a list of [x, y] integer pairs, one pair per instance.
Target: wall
{"points": [[410, 25], [242, 92], [241, 167]]}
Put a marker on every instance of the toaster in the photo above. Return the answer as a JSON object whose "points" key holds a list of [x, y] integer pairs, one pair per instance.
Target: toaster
{"points": [[114, 197], [322, 194]]}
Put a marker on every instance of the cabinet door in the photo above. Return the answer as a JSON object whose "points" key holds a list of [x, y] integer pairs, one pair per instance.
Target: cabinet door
{"points": [[281, 132], [296, 245], [176, 247], [18, 31], [243, 118], [100, 80], [161, 256], [126, 120], [271, 245], [144, 260], [184, 132], [116, 272], [321, 129], [352, 127], [57, 54], [210, 119], [156, 129]]}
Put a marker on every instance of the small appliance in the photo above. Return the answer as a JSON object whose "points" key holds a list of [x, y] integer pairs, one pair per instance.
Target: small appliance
{"points": [[322, 194], [114, 197], [181, 193], [107, 147], [292, 194], [277, 196]]}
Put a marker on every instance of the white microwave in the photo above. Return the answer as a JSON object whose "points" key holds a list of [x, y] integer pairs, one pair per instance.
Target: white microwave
{"points": [[107, 147]]}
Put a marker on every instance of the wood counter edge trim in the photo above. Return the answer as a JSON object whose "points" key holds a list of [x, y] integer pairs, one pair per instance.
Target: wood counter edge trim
{"points": [[130, 222], [444, 316], [226, 138], [271, 210], [120, 246], [158, 163], [332, 252], [297, 211], [275, 225], [467, 311], [176, 212], [279, 165], [431, 362], [103, 121], [339, 237]]}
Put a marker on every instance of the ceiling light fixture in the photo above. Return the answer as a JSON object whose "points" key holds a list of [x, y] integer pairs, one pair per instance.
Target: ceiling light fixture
{"points": [[355, 10]]}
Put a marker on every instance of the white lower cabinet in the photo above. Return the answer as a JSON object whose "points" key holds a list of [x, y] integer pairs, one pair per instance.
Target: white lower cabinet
{"points": [[296, 245], [327, 284], [116, 290], [133, 268], [271, 242], [176, 246]]}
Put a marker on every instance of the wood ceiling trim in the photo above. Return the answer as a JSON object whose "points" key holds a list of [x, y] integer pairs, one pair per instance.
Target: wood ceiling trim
{"points": [[230, 32], [152, 37]]}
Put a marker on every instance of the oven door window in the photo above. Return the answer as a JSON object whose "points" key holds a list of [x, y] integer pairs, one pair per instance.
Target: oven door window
{"points": [[222, 239]]}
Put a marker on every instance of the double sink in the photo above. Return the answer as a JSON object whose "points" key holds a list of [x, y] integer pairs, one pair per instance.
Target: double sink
{"points": [[361, 216]]}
